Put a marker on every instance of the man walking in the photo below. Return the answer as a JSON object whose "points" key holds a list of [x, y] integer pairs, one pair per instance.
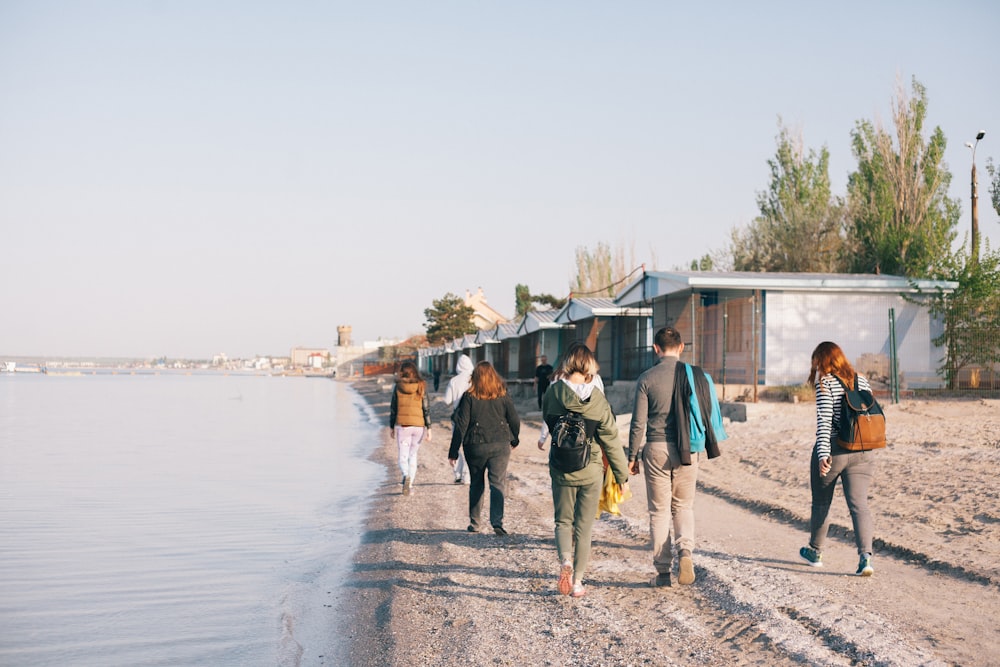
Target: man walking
{"points": [[543, 375], [670, 478]]}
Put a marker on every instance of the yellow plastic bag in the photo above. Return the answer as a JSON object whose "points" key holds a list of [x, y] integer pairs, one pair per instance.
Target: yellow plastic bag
{"points": [[611, 495]]}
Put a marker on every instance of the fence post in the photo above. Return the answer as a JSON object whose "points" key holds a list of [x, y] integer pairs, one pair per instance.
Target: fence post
{"points": [[893, 361]]}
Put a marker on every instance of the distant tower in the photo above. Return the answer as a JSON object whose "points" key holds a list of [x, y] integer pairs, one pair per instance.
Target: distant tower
{"points": [[344, 335]]}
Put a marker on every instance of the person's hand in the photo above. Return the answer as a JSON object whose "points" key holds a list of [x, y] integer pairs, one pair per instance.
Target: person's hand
{"points": [[453, 462], [825, 464], [623, 488], [427, 434], [633, 467], [541, 444]]}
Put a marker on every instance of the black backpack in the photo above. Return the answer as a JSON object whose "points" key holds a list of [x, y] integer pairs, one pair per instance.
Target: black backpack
{"points": [[862, 423], [570, 449]]}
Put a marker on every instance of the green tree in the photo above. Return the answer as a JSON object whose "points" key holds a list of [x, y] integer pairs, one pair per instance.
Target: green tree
{"points": [[525, 301], [994, 186], [800, 226], [703, 264], [971, 314], [448, 318], [901, 220]]}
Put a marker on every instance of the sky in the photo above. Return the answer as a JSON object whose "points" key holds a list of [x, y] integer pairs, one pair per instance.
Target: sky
{"points": [[187, 178]]}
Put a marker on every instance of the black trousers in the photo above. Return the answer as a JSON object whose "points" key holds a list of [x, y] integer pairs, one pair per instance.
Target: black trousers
{"points": [[488, 461]]}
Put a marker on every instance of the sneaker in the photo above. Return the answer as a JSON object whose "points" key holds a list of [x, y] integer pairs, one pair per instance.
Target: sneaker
{"points": [[407, 486], [685, 576], [566, 578], [578, 591], [458, 480], [661, 580], [472, 529], [811, 556], [865, 568], [499, 530]]}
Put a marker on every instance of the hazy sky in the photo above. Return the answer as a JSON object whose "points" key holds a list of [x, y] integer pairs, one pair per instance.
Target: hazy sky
{"points": [[190, 177]]}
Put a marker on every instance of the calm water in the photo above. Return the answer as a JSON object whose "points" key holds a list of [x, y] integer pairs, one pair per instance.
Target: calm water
{"points": [[178, 519]]}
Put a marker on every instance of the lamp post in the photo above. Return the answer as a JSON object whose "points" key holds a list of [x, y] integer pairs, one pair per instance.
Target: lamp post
{"points": [[975, 199]]}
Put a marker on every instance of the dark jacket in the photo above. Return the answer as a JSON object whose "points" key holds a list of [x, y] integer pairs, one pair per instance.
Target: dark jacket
{"points": [[682, 416], [480, 422]]}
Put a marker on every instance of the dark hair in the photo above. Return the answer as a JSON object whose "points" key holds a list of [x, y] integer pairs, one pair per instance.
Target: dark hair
{"points": [[828, 358], [486, 384], [668, 338]]}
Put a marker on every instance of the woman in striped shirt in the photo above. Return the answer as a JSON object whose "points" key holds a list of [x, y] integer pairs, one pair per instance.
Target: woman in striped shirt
{"points": [[831, 462]]}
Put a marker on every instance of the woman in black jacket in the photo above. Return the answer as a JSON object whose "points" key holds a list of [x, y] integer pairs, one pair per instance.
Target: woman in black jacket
{"points": [[487, 429]]}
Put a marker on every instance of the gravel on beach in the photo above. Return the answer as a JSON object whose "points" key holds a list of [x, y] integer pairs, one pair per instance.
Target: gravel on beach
{"points": [[424, 591]]}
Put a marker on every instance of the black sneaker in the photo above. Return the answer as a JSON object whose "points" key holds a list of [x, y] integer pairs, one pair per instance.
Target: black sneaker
{"points": [[499, 530], [661, 580], [811, 556]]}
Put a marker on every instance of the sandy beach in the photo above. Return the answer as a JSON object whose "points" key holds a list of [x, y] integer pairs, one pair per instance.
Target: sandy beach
{"points": [[424, 591]]}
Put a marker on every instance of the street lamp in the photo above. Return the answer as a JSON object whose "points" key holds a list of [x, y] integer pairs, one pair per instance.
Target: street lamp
{"points": [[975, 199]]}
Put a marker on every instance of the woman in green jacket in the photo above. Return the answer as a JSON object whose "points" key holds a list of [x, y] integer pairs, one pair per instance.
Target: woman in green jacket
{"points": [[576, 495]]}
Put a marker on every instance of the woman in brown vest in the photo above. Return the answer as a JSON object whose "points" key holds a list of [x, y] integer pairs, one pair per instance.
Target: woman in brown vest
{"points": [[409, 420]]}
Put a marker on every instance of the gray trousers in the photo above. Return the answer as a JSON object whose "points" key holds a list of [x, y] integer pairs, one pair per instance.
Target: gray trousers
{"points": [[856, 470]]}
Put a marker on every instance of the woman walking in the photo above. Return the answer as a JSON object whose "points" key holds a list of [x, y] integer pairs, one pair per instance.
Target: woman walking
{"points": [[576, 495], [409, 420], [486, 429], [831, 373]]}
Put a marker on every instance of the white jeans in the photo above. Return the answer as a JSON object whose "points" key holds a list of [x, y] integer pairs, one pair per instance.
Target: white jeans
{"points": [[408, 439]]}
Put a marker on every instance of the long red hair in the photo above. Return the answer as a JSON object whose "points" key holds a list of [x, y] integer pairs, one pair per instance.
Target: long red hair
{"points": [[829, 358], [486, 383]]}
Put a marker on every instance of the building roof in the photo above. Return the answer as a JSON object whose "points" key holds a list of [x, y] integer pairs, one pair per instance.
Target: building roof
{"points": [[538, 319], [467, 341], [654, 284], [582, 308]]}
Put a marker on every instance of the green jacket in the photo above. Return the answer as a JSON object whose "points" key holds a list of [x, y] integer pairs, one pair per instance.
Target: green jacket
{"points": [[559, 399]]}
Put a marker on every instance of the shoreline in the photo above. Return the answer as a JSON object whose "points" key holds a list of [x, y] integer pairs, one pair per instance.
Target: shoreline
{"points": [[423, 591]]}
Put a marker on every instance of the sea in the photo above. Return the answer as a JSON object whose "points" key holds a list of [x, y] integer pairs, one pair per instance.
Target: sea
{"points": [[179, 518]]}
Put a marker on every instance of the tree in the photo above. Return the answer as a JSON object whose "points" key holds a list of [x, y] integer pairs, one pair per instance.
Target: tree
{"points": [[800, 226], [602, 271], [994, 173], [525, 301], [448, 318], [971, 314], [901, 220], [703, 264]]}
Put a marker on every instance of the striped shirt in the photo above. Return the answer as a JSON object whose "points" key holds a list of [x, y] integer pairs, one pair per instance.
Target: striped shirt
{"points": [[828, 394]]}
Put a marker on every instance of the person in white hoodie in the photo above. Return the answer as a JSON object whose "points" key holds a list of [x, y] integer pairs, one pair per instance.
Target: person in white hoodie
{"points": [[457, 386]]}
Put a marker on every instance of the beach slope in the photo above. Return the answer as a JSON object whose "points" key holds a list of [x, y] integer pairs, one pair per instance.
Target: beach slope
{"points": [[425, 591]]}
